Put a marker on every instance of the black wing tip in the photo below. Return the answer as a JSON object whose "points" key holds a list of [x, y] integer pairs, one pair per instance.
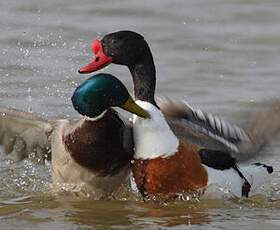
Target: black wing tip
{"points": [[268, 168]]}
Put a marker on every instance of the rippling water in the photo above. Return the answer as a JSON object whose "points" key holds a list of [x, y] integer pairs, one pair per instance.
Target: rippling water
{"points": [[222, 56]]}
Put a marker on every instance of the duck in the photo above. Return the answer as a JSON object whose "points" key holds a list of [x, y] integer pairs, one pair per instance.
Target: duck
{"points": [[130, 49], [169, 161], [167, 167], [90, 157]]}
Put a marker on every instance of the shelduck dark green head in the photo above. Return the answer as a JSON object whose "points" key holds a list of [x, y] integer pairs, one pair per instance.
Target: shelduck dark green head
{"points": [[102, 91]]}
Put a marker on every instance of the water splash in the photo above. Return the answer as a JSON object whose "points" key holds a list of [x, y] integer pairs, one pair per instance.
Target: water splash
{"points": [[23, 178]]}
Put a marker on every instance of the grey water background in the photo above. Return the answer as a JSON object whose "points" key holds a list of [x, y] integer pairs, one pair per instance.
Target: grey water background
{"points": [[221, 56]]}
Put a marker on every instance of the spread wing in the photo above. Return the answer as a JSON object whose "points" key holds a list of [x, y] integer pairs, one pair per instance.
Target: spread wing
{"points": [[24, 134], [215, 133]]}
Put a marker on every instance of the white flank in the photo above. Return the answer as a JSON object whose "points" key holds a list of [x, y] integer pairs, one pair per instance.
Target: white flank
{"points": [[153, 137], [228, 181]]}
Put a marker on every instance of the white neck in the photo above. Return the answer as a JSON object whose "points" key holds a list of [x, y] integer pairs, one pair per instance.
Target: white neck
{"points": [[153, 137]]}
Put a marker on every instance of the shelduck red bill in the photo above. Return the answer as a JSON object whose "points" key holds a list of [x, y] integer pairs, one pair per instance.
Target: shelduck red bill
{"points": [[100, 60]]}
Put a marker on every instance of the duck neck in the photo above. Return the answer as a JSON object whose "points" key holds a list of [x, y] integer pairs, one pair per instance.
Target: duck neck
{"points": [[144, 78]]}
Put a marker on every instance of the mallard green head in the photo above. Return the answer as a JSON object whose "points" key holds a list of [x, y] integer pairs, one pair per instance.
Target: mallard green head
{"points": [[102, 91]]}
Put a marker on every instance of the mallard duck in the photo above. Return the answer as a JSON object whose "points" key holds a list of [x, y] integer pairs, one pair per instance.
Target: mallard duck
{"points": [[90, 156], [130, 49]]}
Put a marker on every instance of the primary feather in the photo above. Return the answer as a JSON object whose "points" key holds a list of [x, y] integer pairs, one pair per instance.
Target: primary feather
{"points": [[214, 132]]}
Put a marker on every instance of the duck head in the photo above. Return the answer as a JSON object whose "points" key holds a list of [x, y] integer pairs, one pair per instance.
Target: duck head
{"points": [[122, 48], [130, 49], [102, 91]]}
